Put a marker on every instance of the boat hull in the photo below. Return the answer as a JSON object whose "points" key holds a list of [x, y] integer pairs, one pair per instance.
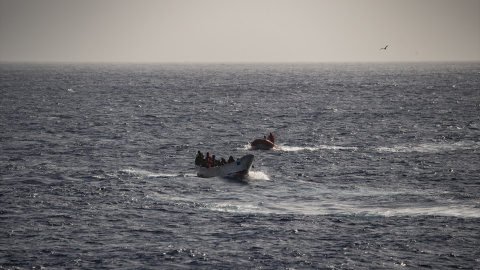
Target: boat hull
{"points": [[240, 167], [262, 144]]}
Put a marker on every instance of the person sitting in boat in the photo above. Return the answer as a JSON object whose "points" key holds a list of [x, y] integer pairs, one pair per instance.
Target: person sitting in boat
{"points": [[223, 161], [231, 159], [271, 138], [199, 158], [214, 161], [207, 162]]}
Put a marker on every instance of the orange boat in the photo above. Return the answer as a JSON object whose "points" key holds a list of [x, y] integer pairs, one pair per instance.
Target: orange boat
{"points": [[262, 144]]}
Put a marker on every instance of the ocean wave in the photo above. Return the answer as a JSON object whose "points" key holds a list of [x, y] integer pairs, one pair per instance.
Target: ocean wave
{"points": [[431, 147], [143, 173]]}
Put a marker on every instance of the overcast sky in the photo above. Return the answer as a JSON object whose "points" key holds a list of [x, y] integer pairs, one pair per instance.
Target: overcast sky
{"points": [[239, 31]]}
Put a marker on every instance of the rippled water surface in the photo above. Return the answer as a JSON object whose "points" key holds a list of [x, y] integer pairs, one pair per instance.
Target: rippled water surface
{"points": [[378, 166]]}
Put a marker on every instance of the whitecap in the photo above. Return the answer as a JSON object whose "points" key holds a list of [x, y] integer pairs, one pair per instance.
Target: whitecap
{"points": [[143, 173], [317, 147], [431, 147], [296, 148], [257, 175]]}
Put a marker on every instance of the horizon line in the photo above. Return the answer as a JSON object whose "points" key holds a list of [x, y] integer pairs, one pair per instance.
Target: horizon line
{"points": [[233, 62]]}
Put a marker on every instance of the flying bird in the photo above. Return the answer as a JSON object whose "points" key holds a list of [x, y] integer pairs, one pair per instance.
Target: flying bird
{"points": [[384, 48]]}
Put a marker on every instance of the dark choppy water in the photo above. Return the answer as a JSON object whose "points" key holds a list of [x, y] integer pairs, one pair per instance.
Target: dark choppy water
{"points": [[380, 166]]}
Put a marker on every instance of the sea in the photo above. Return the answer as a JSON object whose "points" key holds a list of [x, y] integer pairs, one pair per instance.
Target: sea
{"points": [[377, 166]]}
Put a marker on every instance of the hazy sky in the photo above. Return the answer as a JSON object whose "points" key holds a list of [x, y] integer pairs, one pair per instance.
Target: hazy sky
{"points": [[239, 31]]}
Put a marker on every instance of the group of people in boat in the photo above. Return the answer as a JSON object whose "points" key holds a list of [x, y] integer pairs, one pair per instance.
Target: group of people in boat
{"points": [[209, 161], [270, 138]]}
